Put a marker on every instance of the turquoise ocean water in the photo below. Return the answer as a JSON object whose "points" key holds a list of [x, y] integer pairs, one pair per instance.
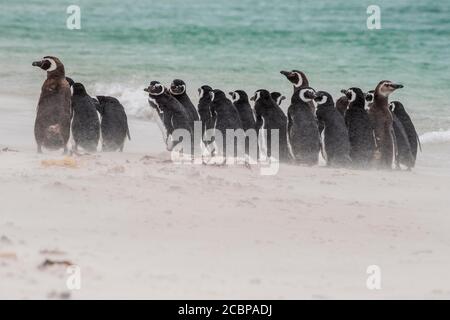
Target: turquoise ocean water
{"points": [[122, 45]]}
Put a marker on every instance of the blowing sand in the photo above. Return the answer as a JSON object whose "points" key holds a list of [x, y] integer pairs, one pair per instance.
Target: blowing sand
{"points": [[139, 226]]}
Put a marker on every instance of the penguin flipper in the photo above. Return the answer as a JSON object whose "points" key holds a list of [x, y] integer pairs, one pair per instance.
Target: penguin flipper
{"points": [[418, 142], [128, 133]]}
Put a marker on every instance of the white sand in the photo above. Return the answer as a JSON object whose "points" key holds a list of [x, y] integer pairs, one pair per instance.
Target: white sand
{"points": [[147, 228]]}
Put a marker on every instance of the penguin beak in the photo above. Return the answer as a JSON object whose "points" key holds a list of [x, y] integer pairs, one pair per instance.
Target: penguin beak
{"points": [[285, 73], [343, 91], [37, 64], [147, 90], [230, 93], [253, 98], [396, 86], [282, 98]]}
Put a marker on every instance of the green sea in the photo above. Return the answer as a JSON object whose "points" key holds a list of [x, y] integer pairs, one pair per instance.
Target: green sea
{"points": [[234, 44]]}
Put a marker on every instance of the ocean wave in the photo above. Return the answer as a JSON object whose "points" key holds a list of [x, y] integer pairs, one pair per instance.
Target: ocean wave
{"points": [[134, 99], [441, 136]]}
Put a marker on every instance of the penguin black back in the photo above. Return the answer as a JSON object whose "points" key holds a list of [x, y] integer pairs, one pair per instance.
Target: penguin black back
{"points": [[204, 103], [242, 105], [337, 145], [404, 151], [303, 131], [85, 122], [270, 116], [399, 111], [359, 128], [114, 123]]}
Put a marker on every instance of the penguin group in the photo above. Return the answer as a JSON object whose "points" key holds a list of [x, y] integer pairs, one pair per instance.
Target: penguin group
{"points": [[65, 109], [358, 130]]}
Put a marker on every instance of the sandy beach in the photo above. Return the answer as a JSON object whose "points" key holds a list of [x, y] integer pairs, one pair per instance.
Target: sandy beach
{"points": [[139, 226]]}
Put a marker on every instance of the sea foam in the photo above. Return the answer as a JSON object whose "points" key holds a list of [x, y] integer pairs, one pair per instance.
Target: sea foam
{"points": [[441, 136]]}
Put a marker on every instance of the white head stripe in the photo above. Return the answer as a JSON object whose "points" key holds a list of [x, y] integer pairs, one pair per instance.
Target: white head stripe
{"points": [[257, 96], [235, 96], [323, 100], [353, 96], [201, 92], [300, 80], [302, 95], [158, 93], [52, 65], [212, 94]]}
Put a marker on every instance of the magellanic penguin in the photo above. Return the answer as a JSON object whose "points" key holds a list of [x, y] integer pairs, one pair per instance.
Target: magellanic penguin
{"points": [[277, 97], [369, 96], [359, 128], [178, 90], [85, 122], [399, 111], [269, 116], [336, 141], [226, 117], [404, 151], [173, 114], [114, 124], [54, 111], [382, 124], [242, 105], [303, 131], [204, 110]]}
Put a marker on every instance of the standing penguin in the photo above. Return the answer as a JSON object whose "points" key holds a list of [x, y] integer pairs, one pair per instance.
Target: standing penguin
{"points": [[54, 111], [269, 116], [174, 115], [277, 97], [399, 111], [204, 110], [242, 105], [303, 131], [404, 151], [359, 128], [382, 124], [178, 90], [114, 124], [226, 116], [85, 122], [336, 141]]}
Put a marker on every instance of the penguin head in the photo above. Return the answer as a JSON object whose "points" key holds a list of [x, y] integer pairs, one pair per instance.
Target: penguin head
{"points": [[296, 77], [50, 64], [305, 95], [177, 87], [386, 87], [70, 81], [217, 94], [370, 96], [155, 88], [78, 89], [396, 107], [323, 98], [203, 92], [261, 95], [342, 104], [238, 96], [355, 96], [277, 97]]}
